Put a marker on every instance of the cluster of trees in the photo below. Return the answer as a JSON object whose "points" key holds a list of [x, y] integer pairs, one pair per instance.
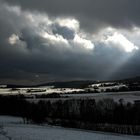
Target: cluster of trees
{"points": [[72, 111]]}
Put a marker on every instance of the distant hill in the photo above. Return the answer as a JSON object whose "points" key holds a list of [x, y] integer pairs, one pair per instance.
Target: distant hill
{"points": [[132, 79], [76, 84], [70, 84], [67, 84]]}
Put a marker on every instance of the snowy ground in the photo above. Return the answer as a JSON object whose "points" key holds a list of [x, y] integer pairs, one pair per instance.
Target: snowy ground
{"points": [[46, 90], [11, 128], [127, 96]]}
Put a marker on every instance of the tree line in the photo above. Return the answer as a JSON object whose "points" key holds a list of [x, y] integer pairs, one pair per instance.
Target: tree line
{"points": [[80, 113]]}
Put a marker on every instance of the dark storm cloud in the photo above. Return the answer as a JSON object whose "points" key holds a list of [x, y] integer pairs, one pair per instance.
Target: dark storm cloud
{"points": [[25, 53], [38, 47], [93, 14]]}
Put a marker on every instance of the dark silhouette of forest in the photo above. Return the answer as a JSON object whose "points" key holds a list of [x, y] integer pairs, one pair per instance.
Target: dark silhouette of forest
{"points": [[104, 115]]}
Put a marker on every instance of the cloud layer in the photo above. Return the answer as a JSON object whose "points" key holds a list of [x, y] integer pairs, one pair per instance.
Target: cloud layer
{"points": [[45, 40], [91, 13]]}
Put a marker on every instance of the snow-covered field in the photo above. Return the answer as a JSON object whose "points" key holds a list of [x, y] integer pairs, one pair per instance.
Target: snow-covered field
{"points": [[108, 85], [127, 96], [116, 96], [12, 128], [45, 90]]}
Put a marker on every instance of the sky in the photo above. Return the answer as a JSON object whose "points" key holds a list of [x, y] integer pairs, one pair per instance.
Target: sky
{"points": [[64, 40]]}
